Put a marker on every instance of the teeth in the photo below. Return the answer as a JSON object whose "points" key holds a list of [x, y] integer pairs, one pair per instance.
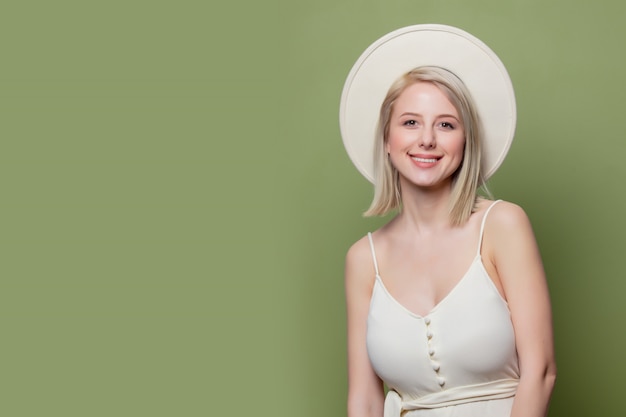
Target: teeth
{"points": [[424, 160]]}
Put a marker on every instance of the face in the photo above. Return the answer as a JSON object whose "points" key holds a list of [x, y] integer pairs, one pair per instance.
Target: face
{"points": [[426, 137]]}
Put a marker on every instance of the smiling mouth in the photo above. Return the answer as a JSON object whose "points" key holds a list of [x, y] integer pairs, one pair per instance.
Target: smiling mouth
{"points": [[426, 160]]}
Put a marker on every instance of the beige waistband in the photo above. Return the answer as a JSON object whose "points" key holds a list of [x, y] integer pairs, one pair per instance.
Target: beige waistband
{"points": [[503, 388]]}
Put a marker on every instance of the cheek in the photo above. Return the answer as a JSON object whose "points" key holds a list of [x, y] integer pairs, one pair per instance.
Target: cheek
{"points": [[459, 146], [395, 141], [462, 148]]}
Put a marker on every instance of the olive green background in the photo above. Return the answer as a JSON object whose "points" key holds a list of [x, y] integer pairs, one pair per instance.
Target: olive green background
{"points": [[176, 203]]}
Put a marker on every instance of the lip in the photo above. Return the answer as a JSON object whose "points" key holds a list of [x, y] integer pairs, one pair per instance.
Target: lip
{"points": [[424, 161], [425, 158]]}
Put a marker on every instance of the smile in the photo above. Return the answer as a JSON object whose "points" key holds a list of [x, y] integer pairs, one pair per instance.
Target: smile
{"points": [[427, 160]]}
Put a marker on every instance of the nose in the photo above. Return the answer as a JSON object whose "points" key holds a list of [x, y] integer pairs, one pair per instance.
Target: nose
{"points": [[427, 138]]}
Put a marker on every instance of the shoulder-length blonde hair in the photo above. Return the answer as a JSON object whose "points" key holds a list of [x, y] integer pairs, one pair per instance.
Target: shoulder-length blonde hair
{"points": [[468, 177]]}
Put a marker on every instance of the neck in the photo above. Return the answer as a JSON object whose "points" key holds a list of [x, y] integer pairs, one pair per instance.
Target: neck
{"points": [[425, 209]]}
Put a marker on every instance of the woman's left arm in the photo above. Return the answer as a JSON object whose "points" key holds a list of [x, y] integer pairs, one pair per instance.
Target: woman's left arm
{"points": [[517, 260]]}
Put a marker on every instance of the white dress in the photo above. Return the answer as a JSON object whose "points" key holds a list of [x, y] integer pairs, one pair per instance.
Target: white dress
{"points": [[459, 360]]}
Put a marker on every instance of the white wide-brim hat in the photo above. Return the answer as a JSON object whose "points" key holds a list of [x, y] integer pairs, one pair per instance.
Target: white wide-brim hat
{"points": [[407, 48]]}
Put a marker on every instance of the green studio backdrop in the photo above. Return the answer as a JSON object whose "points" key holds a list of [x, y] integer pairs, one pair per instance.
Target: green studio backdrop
{"points": [[176, 203]]}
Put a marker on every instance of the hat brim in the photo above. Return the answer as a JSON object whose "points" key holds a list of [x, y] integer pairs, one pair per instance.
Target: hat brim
{"points": [[427, 45]]}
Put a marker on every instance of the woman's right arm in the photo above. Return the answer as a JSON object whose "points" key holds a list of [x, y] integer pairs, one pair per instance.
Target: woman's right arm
{"points": [[365, 389]]}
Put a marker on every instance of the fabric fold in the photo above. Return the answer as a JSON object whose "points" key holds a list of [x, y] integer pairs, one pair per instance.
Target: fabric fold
{"points": [[393, 405], [504, 388]]}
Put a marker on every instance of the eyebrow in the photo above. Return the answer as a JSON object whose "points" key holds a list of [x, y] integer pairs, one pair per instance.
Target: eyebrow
{"points": [[439, 116]]}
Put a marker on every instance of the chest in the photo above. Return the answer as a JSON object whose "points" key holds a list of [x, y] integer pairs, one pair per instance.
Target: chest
{"points": [[465, 339], [420, 277]]}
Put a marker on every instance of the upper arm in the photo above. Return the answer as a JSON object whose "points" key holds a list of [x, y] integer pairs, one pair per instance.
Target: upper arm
{"points": [[517, 260], [365, 394]]}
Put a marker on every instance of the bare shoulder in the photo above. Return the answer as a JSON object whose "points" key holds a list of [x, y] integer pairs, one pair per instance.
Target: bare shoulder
{"points": [[359, 256], [508, 232], [359, 265], [507, 229], [511, 253], [506, 217], [359, 250]]}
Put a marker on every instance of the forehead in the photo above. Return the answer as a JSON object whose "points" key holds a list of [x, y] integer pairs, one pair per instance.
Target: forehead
{"points": [[424, 97]]}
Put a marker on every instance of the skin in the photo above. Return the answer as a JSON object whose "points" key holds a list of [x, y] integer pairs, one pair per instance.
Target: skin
{"points": [[425, 143], [426, 137]]}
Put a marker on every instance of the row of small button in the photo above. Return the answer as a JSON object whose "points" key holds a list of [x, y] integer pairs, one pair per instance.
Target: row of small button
{"points": [[431, 352]]}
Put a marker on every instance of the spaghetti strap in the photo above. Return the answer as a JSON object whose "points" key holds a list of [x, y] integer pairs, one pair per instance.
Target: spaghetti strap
{"points": [[482, 226], [369, 236]]}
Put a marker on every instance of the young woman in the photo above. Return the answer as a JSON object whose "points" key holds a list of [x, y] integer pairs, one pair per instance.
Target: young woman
{"points": [[447, 303]]}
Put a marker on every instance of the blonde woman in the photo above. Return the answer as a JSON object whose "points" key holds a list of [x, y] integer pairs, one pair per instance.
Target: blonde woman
{"points": [[447, 304]]}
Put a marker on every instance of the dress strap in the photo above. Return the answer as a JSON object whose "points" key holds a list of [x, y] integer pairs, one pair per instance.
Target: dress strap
{"points": [[369, 236], [482, 226]]}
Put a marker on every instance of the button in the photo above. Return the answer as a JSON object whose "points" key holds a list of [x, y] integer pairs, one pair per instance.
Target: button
{"points": [[429, 334], [427, 320], [431, 351], [441, 381], [436, 366]]}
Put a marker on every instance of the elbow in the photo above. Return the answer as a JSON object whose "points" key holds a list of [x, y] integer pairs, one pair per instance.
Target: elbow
{"points": [[353, 408], [364, 407], [550, 375], [549, 371], [357, 409], [543, 376]]}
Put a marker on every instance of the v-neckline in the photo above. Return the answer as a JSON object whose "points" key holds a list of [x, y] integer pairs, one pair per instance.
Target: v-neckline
{"points": [[477, 260]]}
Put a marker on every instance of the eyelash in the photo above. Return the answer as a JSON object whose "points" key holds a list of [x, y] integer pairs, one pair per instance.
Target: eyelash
{"points": [[447, 125]]}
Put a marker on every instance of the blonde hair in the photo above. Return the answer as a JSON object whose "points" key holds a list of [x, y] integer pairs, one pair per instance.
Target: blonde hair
{"points": [[468, 177]]}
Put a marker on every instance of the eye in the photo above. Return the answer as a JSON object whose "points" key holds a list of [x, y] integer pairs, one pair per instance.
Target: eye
{"points": [[410, 122], [447, 125]]}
